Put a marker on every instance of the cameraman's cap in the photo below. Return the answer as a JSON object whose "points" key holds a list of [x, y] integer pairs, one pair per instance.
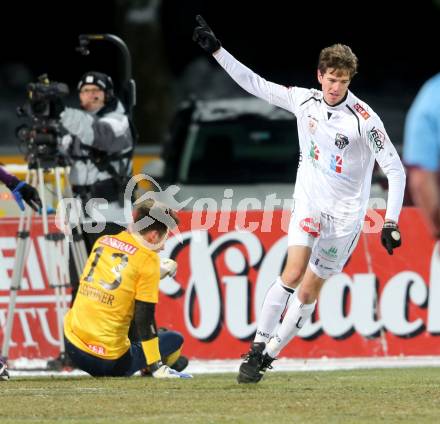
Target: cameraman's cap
{"points": [[99, 79]]}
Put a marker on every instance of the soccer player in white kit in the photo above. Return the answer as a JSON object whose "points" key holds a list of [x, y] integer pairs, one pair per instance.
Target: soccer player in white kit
{"points": [[340, 138]]}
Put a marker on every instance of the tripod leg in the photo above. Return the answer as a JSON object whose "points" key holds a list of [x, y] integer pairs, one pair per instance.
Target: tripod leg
{"points": [[64, 276], [51, 240], [78, 260], [58, 245], [79, 250], [21, 255]]}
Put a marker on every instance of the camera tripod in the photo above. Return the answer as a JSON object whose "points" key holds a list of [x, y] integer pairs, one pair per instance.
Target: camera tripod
{"points": [[55, 248]]}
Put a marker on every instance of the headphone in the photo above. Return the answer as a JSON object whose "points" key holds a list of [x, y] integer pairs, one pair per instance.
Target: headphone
{"points": [[99, 79]]}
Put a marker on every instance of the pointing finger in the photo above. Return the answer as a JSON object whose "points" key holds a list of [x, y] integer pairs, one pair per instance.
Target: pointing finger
{"points": [[389, 247], [201, 21]]}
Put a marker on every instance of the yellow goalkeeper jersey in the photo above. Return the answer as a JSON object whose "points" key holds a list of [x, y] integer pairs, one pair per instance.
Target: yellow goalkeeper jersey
{"points": [[118, 271]]}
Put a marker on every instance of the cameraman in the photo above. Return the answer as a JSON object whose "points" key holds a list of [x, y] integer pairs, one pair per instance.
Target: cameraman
{"points": [[100, 146]]}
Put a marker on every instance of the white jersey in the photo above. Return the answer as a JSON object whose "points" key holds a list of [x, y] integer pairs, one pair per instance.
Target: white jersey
{"points": [[338, 145]]}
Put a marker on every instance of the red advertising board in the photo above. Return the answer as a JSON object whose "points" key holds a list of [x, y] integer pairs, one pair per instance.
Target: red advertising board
{"points": [[35, 332], [380, 305]]}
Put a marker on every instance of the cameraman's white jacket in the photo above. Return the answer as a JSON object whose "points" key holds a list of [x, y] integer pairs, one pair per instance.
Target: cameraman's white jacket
{"points": [[107, 134]]}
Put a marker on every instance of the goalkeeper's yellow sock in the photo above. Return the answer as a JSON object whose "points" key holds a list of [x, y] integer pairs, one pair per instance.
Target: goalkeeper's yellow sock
{"points": [[172, 358]]}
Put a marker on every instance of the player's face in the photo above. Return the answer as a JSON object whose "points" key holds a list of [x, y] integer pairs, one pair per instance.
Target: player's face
{"points": [[156, 240], [334, 83], [91, 97]]}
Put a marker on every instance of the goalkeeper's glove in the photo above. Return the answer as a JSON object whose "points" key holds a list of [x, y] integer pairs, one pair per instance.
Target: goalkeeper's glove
{"points": [[159, 370], [204, 36], [168, 268], [23, 191], [390, 237]]}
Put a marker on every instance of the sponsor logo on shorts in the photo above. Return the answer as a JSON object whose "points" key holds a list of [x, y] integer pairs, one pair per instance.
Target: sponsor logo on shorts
{"points": [[100, 350], [330, 253], [310, 226]]}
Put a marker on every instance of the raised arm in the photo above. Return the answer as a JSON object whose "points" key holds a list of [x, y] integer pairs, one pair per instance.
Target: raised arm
{"points": [[275, 94]]}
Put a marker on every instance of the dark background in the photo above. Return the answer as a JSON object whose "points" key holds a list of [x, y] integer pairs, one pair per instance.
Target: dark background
{"points": [[396, 43]]}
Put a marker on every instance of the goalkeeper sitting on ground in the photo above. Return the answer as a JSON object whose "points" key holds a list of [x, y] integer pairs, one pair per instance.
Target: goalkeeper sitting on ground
{"points": [[121, 281]]}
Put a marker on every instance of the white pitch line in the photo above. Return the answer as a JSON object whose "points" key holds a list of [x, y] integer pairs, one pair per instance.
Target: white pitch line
{"points": [[197, 366]]}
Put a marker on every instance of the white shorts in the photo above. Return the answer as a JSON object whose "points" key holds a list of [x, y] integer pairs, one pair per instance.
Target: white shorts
{"points": [[331, 239]]}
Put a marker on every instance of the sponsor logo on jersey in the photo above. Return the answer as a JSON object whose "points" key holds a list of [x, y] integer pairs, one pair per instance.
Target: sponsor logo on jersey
{"points": [[100, 350], [341, 141], [336, 164], [327, 169], [314, 151], [119, 245], [313, 124], [310, 226], [377, 139], [96, 294], [361, 111]]}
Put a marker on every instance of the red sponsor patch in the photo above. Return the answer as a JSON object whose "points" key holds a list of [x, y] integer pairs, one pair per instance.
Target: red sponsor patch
{"points": [[361, 111], [100, 350], [310, 226]]}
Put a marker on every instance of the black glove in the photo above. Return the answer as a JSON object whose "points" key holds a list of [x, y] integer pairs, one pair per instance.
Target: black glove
{"points": [[23, 191], [204, 36], [390, 237]]}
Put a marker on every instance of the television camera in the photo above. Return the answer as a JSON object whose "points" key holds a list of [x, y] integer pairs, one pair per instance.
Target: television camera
{"points": [[43, 106]]}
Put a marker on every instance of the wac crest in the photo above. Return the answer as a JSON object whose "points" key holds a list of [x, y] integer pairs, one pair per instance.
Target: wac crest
{"points": [[341, 141]]}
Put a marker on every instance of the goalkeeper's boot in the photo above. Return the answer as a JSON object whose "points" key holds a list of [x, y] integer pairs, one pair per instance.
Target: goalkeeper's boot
{"points": [[4, 375], [179, 365], [252, 368]]}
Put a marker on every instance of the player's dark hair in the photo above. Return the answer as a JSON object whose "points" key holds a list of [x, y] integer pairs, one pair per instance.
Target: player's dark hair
{"points": [[162, 216], [338, 57]]}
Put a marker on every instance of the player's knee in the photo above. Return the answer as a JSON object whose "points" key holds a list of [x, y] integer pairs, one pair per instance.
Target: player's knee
{"points": [[179, 339], [172, 340], [308, 293], [292, 276]]}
